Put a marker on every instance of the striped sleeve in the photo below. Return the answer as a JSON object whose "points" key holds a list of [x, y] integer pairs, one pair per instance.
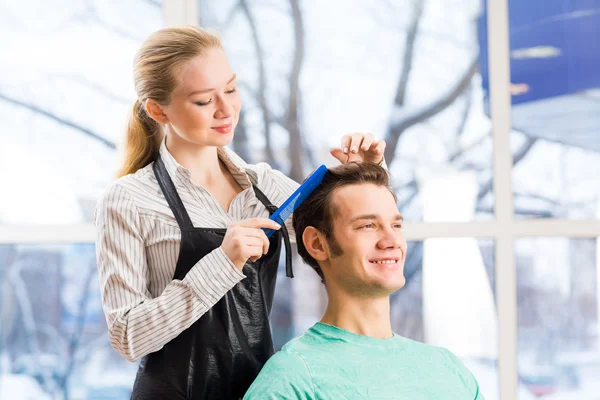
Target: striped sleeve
{"points": [[280, 188], [139, 324]]}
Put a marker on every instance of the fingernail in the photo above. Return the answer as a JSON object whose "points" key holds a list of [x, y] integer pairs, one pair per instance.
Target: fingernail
{"points": [[277, 225], [354, 149], [365, 148], [345, 150]]}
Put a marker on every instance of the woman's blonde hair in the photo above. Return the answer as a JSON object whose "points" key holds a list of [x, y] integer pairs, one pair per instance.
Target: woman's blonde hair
{"points": [[155, 69]]}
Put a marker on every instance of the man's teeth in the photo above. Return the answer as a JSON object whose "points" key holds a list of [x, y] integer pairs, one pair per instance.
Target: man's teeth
{"points": [[385, 262]]}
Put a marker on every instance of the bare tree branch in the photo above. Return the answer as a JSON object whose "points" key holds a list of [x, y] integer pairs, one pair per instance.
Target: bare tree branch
{"points": [[92, 85], [91, 14], [262, 84], [240, 139], [402, 121], [518, 156], [453, 157], [230, 16], [524, 212], [410, 185], [154, 3], [60, 120], [75, 339], [536, 196], [292, 120], [29, 323], [465, 115], [409, 49], [312, 162]]}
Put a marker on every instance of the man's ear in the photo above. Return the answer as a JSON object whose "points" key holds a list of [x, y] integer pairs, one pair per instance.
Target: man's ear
{"points": [[156, 112], [315, 243]]}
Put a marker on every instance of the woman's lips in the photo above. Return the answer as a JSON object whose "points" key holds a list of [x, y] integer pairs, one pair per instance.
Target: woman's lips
{"points": [[223, 128]]}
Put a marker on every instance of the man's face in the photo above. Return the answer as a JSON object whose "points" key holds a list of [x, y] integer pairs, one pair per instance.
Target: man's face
{"points": [[371, 248]]}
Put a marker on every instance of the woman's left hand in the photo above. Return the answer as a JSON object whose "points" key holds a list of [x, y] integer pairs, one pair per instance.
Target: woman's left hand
{"points": [[360, 147]]}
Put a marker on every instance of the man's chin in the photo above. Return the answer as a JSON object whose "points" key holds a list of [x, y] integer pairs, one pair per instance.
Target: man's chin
{"points": [[386, 287]]}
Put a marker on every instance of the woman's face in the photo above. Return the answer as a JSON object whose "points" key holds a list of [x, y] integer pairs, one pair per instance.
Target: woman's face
{"points": [[205, 106]]}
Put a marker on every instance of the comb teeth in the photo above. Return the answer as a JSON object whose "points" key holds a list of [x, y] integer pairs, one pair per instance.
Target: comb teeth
{"points": [[290, 205]]}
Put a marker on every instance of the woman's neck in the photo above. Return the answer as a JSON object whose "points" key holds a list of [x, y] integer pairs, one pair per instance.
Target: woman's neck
{"points": [[201, 161]]}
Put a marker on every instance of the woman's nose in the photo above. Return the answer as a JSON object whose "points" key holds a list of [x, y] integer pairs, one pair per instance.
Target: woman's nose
{"points": [[224, 109]]}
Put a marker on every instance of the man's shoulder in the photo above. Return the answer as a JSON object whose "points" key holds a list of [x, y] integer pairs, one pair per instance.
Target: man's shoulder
{"points": [[284, 376], [300, 344]]}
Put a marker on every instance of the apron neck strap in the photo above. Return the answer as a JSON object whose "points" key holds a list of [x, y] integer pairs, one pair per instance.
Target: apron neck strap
{"points": [[285, 234], [170, 192]]}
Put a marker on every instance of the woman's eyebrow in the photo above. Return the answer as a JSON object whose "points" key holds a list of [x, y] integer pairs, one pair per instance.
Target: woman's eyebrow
{"points": [[211, 89]]}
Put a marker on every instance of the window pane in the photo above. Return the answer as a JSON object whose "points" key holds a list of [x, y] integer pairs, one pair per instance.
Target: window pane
{"points": [[448, 300], [53, 333], [558, 320], [555, 84], [65, 91], [400, 69], [54, 336]]}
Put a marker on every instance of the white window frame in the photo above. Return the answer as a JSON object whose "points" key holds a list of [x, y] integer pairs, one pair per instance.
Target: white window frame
{"points": [[504, 229]]}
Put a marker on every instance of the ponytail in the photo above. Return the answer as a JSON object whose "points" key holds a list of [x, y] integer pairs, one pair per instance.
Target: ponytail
{"points": [[143, 139]]}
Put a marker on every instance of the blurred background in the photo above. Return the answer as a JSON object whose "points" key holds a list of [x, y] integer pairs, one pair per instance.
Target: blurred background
{"points": [[503, 266]]}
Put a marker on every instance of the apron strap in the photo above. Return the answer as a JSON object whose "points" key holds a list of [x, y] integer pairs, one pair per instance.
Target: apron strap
{"points": [[286, 236], [170, 192]]}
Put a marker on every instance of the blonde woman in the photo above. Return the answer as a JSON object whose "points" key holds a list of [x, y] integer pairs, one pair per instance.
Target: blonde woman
{"points": [[187, 274]]}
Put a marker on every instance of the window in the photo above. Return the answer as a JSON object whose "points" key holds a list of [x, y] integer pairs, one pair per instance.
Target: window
{"points": [[54, 335], [490, 110], [66, 91], [312, 71], [558, 329]]}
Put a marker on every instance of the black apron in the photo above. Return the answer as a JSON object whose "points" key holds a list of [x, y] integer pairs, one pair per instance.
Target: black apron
{"points": [[220, 355]]}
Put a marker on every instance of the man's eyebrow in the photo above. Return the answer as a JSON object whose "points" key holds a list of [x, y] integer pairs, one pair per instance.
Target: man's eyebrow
{"points": [[397, 217], [211, 89]]}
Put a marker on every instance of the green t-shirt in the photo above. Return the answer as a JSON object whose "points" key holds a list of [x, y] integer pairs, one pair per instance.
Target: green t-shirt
{"points": [[332, 363]]}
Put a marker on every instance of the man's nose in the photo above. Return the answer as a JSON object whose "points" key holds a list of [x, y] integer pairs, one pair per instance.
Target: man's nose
{"points": [[390, 239]]}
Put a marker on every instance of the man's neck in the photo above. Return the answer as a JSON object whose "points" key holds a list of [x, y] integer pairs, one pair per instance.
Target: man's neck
{"points": [[360, 315]]}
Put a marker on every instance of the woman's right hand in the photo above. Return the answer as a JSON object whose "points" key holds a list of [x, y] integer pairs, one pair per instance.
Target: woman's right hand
{"points": [[246, 240]]}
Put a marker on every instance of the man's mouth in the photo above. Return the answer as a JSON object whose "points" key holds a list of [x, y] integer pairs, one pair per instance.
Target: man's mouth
{"points": [[385, 261]]}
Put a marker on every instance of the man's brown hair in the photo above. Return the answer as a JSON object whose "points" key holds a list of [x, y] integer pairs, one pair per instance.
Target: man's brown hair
{"points": [[318, 210]]}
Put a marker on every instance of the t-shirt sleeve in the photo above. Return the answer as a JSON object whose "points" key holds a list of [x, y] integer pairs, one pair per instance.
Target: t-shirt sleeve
{"points": [[465, 375], [284, 377]]}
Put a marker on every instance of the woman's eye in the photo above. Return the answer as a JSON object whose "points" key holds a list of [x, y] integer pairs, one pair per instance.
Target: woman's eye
{"points": [[201, 103], [233, 90], [398, 226]]}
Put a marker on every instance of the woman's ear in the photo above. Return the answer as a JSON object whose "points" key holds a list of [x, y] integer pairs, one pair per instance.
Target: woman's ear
{"points": [[315, 243], [156, 112]]}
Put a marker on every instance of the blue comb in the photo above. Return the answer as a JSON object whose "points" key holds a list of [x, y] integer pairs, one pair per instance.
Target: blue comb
{"points": [[294, 201]]}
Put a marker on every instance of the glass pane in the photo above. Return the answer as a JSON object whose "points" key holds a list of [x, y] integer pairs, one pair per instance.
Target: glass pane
{"points": [[448, 300], [54, 340], [555, 87], [402, 70], [65, 91], [558, 316]]}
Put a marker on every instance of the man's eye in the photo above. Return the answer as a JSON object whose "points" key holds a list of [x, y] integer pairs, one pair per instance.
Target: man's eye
{"points": [[398, 226], [367, 226]]}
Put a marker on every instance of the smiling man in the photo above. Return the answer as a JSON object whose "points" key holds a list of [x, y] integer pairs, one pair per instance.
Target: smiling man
{"points": [[351, 234]]}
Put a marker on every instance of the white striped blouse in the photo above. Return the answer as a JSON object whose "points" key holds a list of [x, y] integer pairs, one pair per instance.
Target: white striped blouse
{"points": [[137, 246]]}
